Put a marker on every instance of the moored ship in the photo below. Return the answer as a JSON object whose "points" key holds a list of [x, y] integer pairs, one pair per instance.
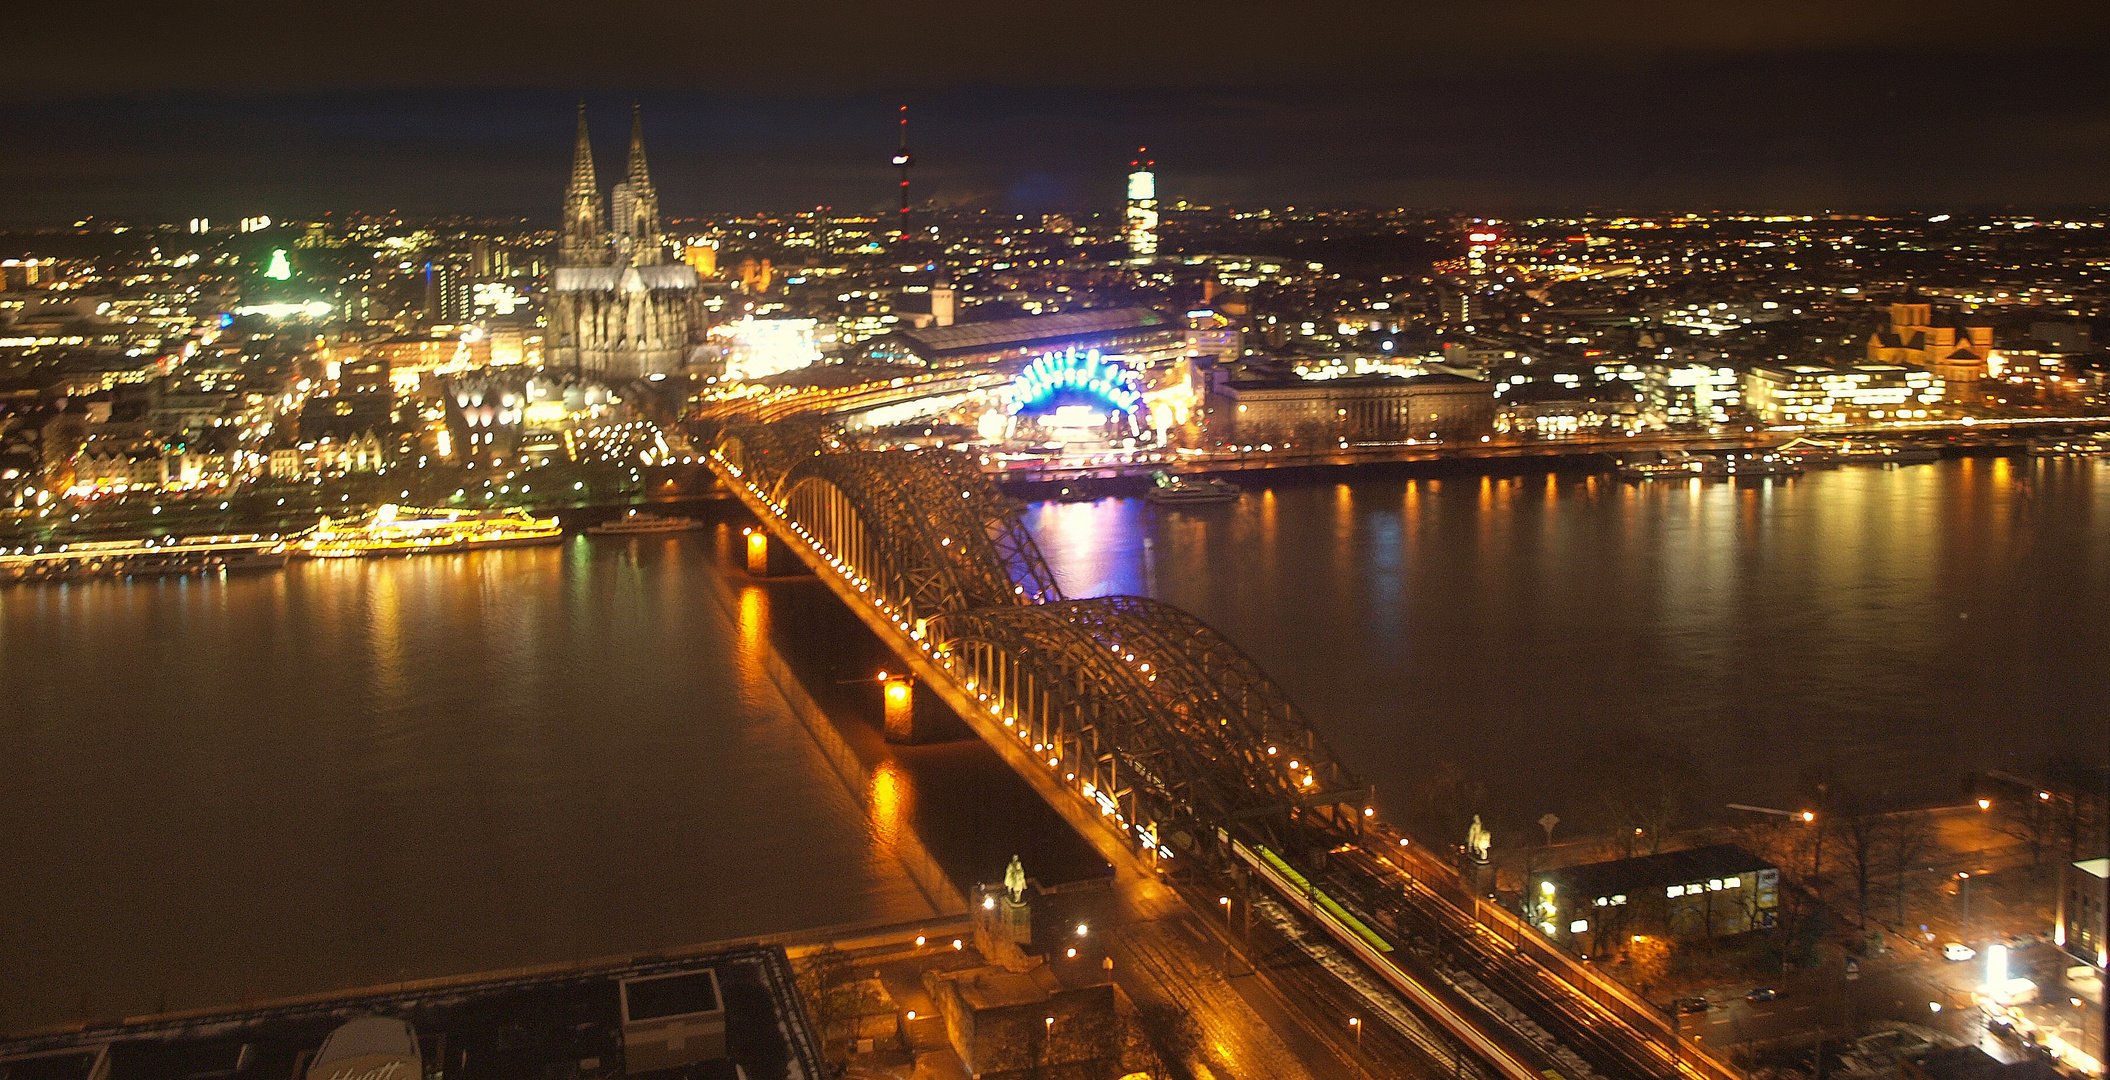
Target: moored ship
{"points": [[161, 556], [635, 522], [1810, 451], [1675, 466], [1188, 491], [406, 530]]}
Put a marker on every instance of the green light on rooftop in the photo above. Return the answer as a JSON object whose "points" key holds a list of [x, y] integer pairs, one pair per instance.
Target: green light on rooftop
{"points": [[280, 269]]}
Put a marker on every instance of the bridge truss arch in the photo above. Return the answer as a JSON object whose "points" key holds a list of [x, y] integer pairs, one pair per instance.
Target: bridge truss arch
{"points": [[1137, 705], [1152, 714], [922, 530], [762, 453]]}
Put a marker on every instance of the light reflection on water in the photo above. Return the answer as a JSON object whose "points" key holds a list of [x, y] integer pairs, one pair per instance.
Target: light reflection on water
{"points": [[1901, 626], [353, 772]]}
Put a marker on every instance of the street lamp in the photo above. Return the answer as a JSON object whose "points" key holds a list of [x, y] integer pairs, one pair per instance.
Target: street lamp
{"points": [[1356, 1022]]}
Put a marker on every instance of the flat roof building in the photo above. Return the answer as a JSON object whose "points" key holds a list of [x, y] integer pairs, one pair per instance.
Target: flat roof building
{"points": [[714, 1016], [1699, 892], [1148, 338], [1362, 408]]}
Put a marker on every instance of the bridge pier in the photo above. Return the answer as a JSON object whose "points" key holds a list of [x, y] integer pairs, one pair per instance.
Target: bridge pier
{"points": [[899, 693], [904, 723], [767, 556]]}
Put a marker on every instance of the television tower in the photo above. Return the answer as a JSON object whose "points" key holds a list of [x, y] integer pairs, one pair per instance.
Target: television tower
{"points": [[902, 160]]}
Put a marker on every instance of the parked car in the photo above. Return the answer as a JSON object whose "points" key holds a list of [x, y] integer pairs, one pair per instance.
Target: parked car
{"points": [[1761, 993], [1957, 950]]}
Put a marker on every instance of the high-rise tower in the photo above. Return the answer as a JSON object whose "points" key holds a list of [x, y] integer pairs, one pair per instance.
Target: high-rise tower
{"points": [[584, 238], [1140, 223], [902, 160]]}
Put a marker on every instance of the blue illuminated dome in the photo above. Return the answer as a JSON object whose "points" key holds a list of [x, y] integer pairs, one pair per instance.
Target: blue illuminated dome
{"points": [[1066, 378]]}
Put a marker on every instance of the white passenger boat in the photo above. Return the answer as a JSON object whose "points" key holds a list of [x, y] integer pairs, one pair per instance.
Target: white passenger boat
{"points": [[406, 530]]}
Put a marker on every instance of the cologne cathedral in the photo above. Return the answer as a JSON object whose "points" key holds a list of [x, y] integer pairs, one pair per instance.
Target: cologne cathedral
{"points": [[620, 308]]}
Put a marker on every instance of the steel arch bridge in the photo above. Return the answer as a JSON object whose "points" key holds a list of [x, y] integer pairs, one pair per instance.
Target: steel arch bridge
{"points": [[1136, 705]]}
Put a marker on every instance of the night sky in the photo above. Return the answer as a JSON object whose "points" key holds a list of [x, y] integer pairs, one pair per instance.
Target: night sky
{"points": [[230, 109]]}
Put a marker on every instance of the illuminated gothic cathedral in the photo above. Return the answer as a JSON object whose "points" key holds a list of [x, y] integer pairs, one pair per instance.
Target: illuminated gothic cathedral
{"points": [[619, 307]]}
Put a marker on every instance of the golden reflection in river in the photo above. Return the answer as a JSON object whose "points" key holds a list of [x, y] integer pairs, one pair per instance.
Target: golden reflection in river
{"points": [[385, 630], [887, 799], [751, 635], [1269, 507]]}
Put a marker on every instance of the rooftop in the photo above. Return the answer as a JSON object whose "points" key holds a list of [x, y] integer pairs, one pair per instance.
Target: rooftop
{"points": [[1038, 329], [1655, 871], [554, 1023]]}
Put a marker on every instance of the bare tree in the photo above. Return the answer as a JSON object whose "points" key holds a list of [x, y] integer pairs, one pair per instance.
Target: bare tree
{"points": [[1645, 796], [1449, 800], [828, 981], [2030, 820], [1907, 838], [1860, 827]]}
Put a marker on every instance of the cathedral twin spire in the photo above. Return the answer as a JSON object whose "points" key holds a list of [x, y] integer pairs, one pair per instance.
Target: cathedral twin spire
{"points": [[586, 239]]}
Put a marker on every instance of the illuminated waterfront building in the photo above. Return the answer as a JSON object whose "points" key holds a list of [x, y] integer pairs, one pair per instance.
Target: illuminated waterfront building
{"points": [[1690, 394], [619, 308], [1140, 224], [1366, 408], [1863, 393]]}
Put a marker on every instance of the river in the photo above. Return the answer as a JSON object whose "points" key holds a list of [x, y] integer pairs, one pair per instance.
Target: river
{"points": [[348, 773]]}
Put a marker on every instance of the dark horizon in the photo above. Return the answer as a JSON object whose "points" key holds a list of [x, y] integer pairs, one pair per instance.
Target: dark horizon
{"points": [[1801, 105]]}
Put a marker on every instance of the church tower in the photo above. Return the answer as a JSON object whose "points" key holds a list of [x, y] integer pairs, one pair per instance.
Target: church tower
{"points": [[618, 308], [636, 205], [584, 238]]}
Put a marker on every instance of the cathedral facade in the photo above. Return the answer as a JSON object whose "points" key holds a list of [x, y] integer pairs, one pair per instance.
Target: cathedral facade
{"points": [[620, 308]]}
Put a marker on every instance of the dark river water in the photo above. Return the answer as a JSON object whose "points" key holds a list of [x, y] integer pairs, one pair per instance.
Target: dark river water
{"points": [[213, 790]]}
